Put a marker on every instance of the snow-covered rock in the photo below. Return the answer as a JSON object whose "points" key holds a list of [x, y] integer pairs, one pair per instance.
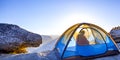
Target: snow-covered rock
{"points": [[115, 33], [13, 38]]}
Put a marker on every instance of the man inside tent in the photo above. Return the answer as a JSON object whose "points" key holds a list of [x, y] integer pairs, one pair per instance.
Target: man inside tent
{"points": [[81, 39]]}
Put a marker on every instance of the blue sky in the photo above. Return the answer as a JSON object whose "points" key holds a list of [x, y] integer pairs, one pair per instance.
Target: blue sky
{"points": [[51, 17]]}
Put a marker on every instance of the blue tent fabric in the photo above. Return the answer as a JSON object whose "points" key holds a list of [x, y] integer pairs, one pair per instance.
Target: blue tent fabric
{"points": [[61, 46], [110, 44], [87, 50]]}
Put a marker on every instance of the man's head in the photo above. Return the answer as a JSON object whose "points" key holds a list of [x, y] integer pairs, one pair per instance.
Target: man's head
{"points": [[82, 32]]}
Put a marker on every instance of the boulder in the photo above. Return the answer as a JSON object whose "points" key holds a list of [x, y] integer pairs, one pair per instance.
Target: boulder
{"points": [[13, 38], [115, 33]]}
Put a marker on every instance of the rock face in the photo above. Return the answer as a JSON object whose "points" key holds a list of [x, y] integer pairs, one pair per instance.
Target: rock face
{"points": [[115, 33], [13, 38]]}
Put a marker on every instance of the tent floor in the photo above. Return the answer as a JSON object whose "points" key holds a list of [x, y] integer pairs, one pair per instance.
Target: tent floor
{"points": [[109, 53]]}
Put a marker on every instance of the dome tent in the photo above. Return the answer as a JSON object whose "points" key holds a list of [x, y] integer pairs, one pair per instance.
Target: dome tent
{"points": [[100, 43]]}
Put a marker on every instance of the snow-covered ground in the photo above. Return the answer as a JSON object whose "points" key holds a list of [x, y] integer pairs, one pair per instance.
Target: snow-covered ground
{"points": [[48, 44]]}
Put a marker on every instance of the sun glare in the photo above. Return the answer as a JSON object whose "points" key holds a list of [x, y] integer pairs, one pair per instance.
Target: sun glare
{"points": [[78, 18], [71, 19]]}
